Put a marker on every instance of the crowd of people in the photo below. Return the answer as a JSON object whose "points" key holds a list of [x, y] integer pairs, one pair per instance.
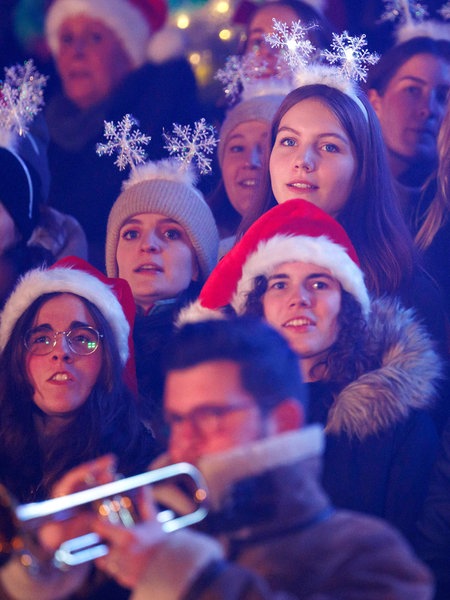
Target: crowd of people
{"points": [[286, 330]]}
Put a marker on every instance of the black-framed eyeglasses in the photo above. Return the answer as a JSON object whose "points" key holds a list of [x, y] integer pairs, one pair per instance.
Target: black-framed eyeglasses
{"points": [[205, 419], [81, 340]]}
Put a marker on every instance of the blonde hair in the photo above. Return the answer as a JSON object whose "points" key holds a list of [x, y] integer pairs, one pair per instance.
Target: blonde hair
{"points": [[438, 212]]}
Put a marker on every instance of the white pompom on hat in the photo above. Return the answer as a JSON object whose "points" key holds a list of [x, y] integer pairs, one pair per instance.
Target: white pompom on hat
{"points": [[65, 279], [133, 21], [293, 231]]}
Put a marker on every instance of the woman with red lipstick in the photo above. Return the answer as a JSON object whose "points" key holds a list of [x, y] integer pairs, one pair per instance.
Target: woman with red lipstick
{"points": [[327, 148], [163, 240], [371, 368], [63, 400]]}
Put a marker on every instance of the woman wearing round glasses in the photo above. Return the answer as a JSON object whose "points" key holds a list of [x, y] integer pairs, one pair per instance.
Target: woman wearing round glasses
{"points": [[64, 342]]}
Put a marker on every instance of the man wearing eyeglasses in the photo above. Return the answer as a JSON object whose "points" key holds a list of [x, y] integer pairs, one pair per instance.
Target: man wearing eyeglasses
{"points": [[224, 391], [235, 405]]}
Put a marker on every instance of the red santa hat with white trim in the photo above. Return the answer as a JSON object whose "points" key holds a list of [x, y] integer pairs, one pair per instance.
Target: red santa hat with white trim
{"points": [[293, 231], [73, 275], [133, 21]]}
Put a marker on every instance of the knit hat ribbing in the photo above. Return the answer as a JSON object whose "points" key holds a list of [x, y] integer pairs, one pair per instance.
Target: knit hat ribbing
{"points": [[293, 231], [65, 279], [163, 192], [132, 21], [260, 108]]}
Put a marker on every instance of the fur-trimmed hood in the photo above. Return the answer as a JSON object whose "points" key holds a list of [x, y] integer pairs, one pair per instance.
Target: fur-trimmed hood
{"points": [[223, 470], [407, 379]]}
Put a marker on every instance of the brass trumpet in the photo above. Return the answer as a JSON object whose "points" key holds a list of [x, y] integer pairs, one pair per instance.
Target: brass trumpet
{"points": [[113, 501]]}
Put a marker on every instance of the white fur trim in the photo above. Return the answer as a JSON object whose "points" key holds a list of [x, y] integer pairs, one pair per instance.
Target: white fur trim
{"points": [[170, 169], [317, 250], [430, 28], [39, 281], [332, 77], [168, 43], [195, 312], [266, 86], [319, 5], [127, 22], [8, 139], [221, 470]]}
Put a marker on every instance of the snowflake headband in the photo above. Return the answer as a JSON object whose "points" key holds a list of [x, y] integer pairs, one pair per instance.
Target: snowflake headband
{"points": [[342, 66], [187, 144], [411, 18], [243, 78], [21, 98]]}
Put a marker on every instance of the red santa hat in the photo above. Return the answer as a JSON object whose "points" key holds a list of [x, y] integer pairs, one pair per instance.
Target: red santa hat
{"points": [[112, 297], [293, 231], [133, 21]]}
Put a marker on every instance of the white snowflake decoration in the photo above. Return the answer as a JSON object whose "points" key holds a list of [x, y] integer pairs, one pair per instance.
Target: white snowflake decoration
{"points": [[351, 56], [126, 142], [405, 11], [21, 97], [238, 72], [192, 144], [296, 48], [445, 11]]}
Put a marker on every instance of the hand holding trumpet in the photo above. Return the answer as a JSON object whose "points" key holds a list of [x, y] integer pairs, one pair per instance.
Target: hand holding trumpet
{"points": [[65, 525], [130, 549], [82, 477]]}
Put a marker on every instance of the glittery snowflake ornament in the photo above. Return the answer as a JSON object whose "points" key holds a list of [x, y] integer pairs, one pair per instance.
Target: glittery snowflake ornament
{"points": [[350, 55], [412, 21], [296, 49], [404, 11], [192, 144], [444, 11], [21, 97], [125, 141]]}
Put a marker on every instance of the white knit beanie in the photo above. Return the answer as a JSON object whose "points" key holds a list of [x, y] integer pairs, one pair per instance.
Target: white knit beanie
{"points": [[163, 188], [260, 108]]}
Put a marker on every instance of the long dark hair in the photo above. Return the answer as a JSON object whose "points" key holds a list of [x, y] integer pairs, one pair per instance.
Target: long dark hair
{"points": [[393, 59], [226, 216], [349, 357], [107, 422], [371, 216]]}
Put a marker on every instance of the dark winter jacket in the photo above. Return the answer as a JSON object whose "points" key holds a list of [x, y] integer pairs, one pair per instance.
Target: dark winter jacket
{"points": [[282, 536], [151, 334], [381, 441], [434, 525]]}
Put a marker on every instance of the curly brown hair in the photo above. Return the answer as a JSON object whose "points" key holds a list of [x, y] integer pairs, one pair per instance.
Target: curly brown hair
{"points": [[350, 356]]}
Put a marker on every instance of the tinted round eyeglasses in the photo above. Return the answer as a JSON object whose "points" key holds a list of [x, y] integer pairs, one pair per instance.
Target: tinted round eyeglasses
{"points": [[80, 340], [207, 419]]}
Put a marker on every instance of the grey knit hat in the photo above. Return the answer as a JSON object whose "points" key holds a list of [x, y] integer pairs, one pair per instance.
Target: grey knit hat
{"points": [[259, 108], [163, 188]]}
